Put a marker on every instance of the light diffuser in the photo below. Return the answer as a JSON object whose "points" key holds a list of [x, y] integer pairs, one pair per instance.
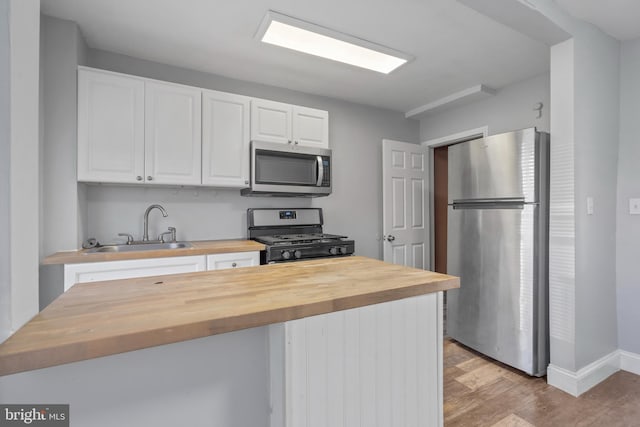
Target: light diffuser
{"points": [[284, 31]]}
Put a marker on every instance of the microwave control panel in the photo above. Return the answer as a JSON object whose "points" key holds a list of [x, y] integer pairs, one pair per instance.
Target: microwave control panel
{"points": [[326, 179]]}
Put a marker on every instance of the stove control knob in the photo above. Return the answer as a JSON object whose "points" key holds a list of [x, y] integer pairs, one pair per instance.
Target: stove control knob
{"points": [[343, 250], [286, 255], [333, 251], [297, 254]]}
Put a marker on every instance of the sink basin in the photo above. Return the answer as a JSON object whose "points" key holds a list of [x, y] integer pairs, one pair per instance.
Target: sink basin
{"points": [[139, 247]]}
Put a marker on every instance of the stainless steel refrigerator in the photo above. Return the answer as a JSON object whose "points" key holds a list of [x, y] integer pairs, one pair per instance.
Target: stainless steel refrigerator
{"points": [[497, 243]]}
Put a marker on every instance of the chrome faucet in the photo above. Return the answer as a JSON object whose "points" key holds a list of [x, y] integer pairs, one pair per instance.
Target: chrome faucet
{"points": [[145, 236], [171, 232]]}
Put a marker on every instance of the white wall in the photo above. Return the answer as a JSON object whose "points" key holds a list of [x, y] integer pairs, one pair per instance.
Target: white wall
{"points": [[628, 226], [61, 42], [594, 115], [62, 49], [510, 109], [23, 175], [596, 123], [355, 134], [5, 153], [221, 380]]}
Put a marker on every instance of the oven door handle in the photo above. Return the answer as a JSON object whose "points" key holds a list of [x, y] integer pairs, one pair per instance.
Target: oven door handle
{"points": [[320, 173]]}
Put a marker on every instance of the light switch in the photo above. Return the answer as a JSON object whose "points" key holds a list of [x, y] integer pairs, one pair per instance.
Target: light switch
{"points": [[634, 206], [589, 205]]}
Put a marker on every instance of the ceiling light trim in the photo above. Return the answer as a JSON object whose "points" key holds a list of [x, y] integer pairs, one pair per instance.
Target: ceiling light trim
{"points": [[368, 50]]}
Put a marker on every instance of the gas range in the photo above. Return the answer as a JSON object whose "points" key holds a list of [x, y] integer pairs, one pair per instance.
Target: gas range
{"points": [[294, 234]]}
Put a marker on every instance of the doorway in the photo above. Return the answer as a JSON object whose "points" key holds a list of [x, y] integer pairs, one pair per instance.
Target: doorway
{"points": [[439, 158]]}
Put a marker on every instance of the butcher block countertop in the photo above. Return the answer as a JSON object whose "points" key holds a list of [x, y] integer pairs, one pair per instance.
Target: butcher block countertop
{"points": [[103, 318], [204, 247]]}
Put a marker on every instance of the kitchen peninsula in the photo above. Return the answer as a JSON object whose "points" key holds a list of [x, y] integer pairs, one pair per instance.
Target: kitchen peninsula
{"points": [[321, 342]]}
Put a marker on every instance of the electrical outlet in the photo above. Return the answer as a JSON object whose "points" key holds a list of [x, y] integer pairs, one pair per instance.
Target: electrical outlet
{"points": [[634, 206]]}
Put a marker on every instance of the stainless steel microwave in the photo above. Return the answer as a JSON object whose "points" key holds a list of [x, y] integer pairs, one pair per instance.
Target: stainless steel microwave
{"points": [[289, 170]]}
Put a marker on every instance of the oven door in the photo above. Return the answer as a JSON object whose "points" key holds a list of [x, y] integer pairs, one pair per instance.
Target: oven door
{"points": [[281, 170]]}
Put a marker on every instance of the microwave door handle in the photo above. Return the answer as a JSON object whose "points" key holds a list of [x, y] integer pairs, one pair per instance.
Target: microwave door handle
{"points": [[320, 171]]}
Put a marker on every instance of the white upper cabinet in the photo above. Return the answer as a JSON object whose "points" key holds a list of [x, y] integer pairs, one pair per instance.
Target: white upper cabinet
{"points": [[225, 139], [173, 136], [289, 124], [141, 131], [110, 127], [271, 121], [310, 127]]}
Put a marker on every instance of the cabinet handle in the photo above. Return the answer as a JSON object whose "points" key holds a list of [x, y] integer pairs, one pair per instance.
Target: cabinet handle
{"points": [[289, 142], [138, 178], [149, 178], [234, 265], [246, 182], [296, 142]]}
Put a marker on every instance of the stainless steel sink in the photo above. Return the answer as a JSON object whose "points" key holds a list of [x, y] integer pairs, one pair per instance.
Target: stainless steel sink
{"points": [[139, 247]]}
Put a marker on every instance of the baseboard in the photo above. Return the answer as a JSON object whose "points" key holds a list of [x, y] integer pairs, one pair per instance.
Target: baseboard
{"points": [[576, 383], [630, 362]]}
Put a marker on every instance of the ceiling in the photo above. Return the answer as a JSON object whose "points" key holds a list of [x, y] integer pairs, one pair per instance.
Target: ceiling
{"points": [[618, 18], [454, 47]]}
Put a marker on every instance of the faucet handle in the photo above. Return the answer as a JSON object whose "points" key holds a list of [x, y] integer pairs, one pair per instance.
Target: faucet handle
{"points": [[128, 236], [172, 232]]}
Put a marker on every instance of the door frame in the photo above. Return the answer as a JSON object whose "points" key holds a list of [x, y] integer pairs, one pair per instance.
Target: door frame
{"points": [[480, 132]]}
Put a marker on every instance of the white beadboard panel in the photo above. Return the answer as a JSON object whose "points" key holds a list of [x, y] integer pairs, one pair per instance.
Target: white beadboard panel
{"points": [[373, 366], [336, 369], [382, 353]]}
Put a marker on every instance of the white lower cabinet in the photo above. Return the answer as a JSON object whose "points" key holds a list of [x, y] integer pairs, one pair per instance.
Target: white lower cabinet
{"points": [[233, 260], [378, 365], [128, 269]]}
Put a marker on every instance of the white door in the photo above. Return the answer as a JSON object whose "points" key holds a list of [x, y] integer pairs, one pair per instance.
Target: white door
{"points": [[310, 127], [271, 121], [404, 193], [110, 127], [173, 134], [225, 139]]}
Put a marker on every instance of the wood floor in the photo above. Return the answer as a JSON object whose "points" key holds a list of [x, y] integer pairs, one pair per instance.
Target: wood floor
{"points": [[481, 392]]}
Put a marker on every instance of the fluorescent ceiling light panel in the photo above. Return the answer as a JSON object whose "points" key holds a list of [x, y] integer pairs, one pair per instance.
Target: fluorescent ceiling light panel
{"points": [[284, 31]]}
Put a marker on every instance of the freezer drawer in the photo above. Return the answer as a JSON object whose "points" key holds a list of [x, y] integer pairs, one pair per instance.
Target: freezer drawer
{"points": [[500, 166], [495, 252]]}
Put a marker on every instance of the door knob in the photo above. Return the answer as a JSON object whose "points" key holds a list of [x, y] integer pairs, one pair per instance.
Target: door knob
{"points": [[391, 238]]}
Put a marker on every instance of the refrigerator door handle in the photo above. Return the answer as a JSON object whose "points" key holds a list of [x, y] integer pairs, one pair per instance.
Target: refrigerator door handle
{"points": [[490, 200], [491, 205]]}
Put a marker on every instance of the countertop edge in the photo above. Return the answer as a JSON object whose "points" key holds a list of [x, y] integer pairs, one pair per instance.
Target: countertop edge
{"points": [[200, 247], [28, 360]]}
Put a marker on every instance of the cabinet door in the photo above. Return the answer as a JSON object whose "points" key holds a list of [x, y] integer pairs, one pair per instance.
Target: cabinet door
{"points": [[233, 260], [173, 136], [310, 127], [271, 121], [225, 139], [110, 127], [128, 269]]}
